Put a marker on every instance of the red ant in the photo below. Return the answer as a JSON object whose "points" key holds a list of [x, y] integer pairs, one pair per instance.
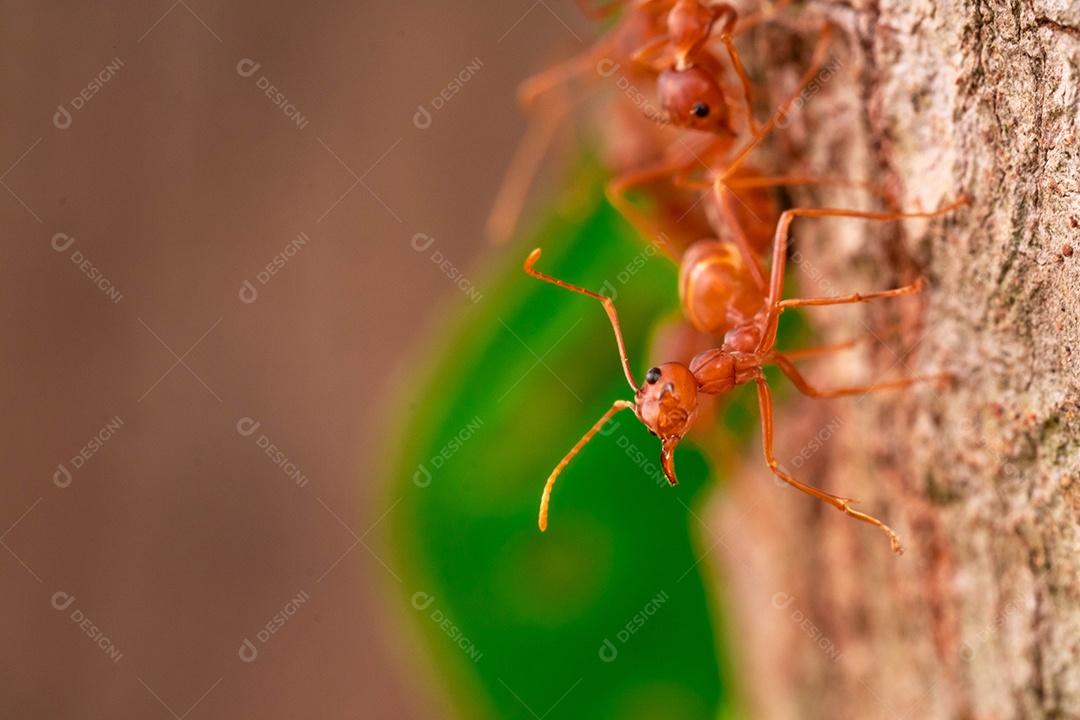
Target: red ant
{"points": [[746, 185], [660, 42], [719, 295]]}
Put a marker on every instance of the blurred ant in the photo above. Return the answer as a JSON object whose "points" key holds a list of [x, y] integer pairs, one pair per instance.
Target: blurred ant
{"points": [[663, 43], [720, 296]]}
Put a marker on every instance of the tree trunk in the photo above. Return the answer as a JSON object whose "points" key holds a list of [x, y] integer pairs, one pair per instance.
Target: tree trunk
{"points": [[979, 619]]}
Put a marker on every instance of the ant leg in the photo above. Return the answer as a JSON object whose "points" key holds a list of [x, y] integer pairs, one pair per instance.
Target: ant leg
{"points": [[843, 504], [797, 379], [780, 242], [914, 287], [753, 262], [618, 187], [753, 19], [785, 180], [655, 55], [763, 131], [609, 307], [744, 78], [530, 153], [812, 352], [558, 75]]}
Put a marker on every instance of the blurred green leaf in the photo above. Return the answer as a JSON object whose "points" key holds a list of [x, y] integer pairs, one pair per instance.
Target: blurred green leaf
{"points": [[519, 619]]}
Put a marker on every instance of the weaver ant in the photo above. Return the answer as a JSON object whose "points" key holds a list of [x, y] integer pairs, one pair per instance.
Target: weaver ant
{"points": [[740, 223], [663, 43], [720, 296]]}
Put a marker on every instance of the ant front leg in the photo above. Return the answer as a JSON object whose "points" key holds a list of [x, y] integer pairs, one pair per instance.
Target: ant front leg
{"points": [[831, 348], [788, 368], [618, 188], [815, 180], [534, 146], [762, 132], [754, 19], [843, 504], [654, 56], [744, 79], [559, 75], [780, 241]]}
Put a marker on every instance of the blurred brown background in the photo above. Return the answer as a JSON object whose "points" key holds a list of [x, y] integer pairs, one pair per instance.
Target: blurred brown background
{"points": [[176, 179]]}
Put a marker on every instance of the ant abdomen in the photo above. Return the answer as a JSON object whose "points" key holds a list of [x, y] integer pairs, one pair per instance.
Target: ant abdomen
{"points": [[715, 289]]}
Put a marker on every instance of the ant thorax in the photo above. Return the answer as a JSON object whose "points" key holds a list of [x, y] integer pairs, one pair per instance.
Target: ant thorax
{"points": [[717, 371]]}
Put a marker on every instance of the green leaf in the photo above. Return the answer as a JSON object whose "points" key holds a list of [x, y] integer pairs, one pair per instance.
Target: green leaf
{"points": [[518, 619]]}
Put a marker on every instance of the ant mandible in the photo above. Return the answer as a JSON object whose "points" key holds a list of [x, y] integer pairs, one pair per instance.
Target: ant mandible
{"points": [[719, 297]]}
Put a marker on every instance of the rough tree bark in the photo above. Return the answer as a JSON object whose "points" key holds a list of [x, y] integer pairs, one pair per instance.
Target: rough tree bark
{"points": [[980, 619]]}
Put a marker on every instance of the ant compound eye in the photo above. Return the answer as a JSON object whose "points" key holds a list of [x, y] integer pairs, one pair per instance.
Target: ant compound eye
{"points": [[653, 376], [700, 110]]}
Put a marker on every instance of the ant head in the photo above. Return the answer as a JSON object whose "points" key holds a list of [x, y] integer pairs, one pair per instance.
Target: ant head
{"points": [[667, 403], [691, 98]]}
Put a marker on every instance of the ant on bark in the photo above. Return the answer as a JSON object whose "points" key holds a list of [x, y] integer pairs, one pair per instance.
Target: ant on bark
{"points": [[721, 296], [662, 43]]}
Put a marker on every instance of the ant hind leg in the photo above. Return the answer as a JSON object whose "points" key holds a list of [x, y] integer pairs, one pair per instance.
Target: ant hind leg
{"points": [[842, 504]]}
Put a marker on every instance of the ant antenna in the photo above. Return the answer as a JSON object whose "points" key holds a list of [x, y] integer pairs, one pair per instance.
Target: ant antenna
{"points": [[546, 497], [608, 305]]}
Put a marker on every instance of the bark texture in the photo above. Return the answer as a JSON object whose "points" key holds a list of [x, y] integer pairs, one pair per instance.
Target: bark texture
{"points": [[980, 618]]}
